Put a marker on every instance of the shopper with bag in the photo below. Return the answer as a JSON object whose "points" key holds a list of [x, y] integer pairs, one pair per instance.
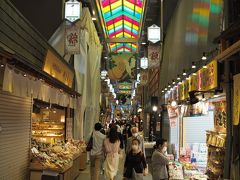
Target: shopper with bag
{"points": [[160, 161], [112, 150], [95, 146], [135, 166]]}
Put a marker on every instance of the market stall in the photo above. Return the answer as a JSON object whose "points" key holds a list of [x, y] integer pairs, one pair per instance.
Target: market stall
{"points": [[61, 160]]}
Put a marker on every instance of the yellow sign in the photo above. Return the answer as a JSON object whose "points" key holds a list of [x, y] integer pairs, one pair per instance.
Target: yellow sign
{"points": [[208, 77], [58, 69], [205, 79], [193, 83], [236, 100]]}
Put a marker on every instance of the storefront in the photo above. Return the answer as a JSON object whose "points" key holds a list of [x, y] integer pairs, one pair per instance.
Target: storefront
{"points": [[197, 125], [37, 102]]}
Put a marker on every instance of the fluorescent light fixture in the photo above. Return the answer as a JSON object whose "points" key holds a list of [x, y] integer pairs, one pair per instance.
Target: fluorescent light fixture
{"points": [[94, 19], [143, 43], [178, 77], [184, 73], [204, 66], [194, 74]]}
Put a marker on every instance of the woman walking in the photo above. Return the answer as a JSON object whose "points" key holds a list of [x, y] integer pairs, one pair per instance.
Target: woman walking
{"points": [[135, 164], [112, 149], [160, 160]]}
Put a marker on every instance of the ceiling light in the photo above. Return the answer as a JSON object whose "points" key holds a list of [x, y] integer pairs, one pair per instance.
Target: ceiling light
{"points": [[165, 88], [180, 83], [93, 12], [154, 108], [173, 82], [94, 19], [184, 73], [194, 74], [162, 91], [169, 85], [193, 65], [2, 65], [143, 43], [204, 66], [25, 75], [204, 57], [178, 77], [187, 78], [105, 57]]}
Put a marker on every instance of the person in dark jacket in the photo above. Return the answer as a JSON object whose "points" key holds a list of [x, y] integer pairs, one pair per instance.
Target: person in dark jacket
{"points": [[135, 162]]}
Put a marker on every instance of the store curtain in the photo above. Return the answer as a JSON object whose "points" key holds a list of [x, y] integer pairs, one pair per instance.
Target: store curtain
{"points": [[14, 82]]}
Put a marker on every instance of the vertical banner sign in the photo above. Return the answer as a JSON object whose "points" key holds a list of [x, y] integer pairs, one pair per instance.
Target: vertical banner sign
{"points": [[72, 40], [236, 100], [153, 56], [173, 116], [144, 77], [69, 127]]}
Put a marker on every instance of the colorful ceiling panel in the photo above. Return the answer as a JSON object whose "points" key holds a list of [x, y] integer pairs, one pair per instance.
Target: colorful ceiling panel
{"points": [[122, 19]]}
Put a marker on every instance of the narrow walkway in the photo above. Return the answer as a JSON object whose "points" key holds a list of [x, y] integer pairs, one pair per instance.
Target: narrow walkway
{"points": [[85, 175]]}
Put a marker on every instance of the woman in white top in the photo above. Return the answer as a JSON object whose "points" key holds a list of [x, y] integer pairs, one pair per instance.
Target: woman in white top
{"points": [[112, 149]]}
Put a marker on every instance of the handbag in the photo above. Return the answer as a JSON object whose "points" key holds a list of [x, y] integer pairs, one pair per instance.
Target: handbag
{"points": [[90, 144], [136, 176]]}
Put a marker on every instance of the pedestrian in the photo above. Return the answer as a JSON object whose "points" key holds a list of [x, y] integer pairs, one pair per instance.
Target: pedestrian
{"points": [[160, 161], [135, 134], [135, 166], [112, 150], [96, 154]]}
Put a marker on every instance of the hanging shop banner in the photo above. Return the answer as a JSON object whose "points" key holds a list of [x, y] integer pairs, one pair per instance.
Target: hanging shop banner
{"points": [[153, 56], [72, 40], [56, 68], [173, 116], [193, 83], [220, 116], [236, 99], [144, 78], [124, 86], [122, 66], [207, 77]]}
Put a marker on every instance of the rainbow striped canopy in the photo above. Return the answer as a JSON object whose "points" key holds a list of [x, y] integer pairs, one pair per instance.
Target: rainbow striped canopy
{"points": [[122, 19]]}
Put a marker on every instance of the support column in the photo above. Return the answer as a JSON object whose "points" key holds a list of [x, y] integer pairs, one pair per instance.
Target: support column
{"points": [[229, 100]]}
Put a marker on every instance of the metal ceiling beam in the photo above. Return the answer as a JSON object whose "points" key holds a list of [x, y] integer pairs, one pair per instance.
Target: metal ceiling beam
{"points": [[122, 40]]}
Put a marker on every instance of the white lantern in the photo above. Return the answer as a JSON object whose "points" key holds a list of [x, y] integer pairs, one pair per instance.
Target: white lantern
{"points": [[103, 74], [154, 33], [72, 10], [144, 63]]}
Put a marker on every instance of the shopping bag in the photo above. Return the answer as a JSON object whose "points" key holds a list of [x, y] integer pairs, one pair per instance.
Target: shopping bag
{"points": [[136, 176], [90, 144]]}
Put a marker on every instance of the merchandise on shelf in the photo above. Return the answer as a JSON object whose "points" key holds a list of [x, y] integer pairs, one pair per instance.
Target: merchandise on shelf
{"points": [[55, 157], [175, 170], [216, 153]]}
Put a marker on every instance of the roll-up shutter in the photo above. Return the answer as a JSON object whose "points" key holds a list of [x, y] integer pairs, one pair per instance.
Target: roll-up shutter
{"points": [[15, 134], [194, 128]]}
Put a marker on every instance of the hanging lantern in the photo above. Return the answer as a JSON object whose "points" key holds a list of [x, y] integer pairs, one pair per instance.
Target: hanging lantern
{"points": [[144, 63], [73, 10], [103, 74], [154, 33]]}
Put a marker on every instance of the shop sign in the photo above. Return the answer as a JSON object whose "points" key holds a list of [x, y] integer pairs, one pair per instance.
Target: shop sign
{"points": [[193, 83], [56, 68], [207, 77], [144, 78], [173, 116], [72, 40], [236, 100], [122, 91], [153, 56], [124, 86], [72, 10], [181, 91]]}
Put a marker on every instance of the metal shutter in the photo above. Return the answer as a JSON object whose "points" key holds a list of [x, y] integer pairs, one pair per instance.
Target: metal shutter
{"points": [[194, 128], [15, 134]]}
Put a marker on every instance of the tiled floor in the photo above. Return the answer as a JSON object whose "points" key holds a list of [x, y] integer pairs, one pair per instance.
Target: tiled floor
{"points": [[85, 175]]}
